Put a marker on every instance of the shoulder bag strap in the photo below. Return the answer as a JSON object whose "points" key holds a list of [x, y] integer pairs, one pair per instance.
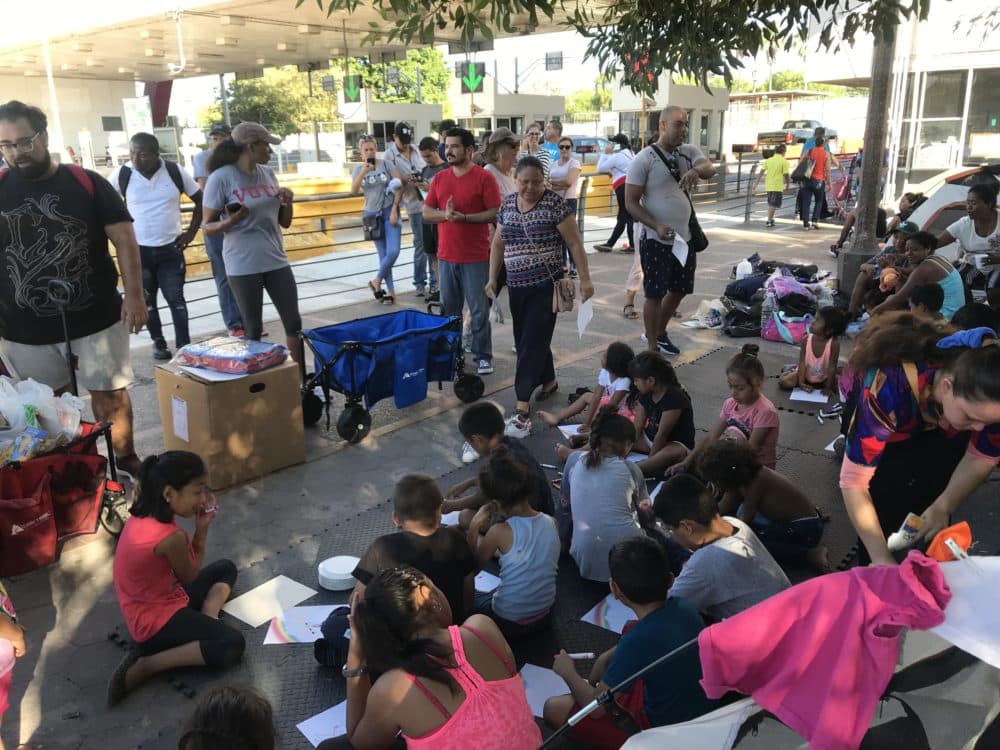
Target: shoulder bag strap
{"points": [[674, 171]]}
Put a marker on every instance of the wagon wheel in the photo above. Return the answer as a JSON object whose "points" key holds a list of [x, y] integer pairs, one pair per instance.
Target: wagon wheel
{"points": [[114, 512], [354, 423], [312, 408], [469, 388]]}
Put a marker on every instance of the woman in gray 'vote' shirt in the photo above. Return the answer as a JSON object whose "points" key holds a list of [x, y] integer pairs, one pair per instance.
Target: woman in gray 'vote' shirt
{"points": [[244, 202]]}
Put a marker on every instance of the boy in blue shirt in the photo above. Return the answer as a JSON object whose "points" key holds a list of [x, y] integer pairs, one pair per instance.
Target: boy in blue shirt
{"points": [[669, 694]]}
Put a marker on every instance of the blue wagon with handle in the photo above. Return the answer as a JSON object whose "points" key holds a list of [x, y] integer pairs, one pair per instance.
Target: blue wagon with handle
{"points": [[370, 359]]}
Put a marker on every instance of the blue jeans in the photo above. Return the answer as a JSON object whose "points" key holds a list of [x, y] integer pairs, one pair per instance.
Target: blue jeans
{"points": [[567, 258], [421, 273], [466, 282], [163, 271], [789, 542], [812, 189], [388, 249], [227, 302]]}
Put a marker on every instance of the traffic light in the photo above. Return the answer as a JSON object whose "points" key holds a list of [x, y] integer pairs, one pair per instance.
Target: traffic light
{"points": [[352, 88], [472, 75]]}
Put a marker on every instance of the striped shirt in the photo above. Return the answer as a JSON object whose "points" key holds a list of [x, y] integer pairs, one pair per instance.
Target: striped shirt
{"points": [[532, 244], [542, 155]]}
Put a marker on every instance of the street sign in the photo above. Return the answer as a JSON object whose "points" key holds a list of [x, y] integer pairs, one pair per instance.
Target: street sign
{"points": [[328, 83], [472, 77], [352, 88], [553, 60], [392, 76]]}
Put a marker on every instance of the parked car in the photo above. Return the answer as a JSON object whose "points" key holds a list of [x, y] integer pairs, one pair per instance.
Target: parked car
{"points": [[793, 131], [588, 148]]}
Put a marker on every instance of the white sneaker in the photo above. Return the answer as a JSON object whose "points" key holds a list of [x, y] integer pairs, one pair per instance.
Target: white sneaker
{"points": [[517, 426], [485, 367], [468, 453]]}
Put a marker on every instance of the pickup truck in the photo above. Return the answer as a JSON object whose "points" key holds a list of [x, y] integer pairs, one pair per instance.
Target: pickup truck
{"points": [[793, 131]]}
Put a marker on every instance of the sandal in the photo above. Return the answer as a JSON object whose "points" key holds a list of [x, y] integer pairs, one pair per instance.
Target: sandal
{"points": [[377, 293], [545, 395], [387, 299], [116, 686], [629, 313]]}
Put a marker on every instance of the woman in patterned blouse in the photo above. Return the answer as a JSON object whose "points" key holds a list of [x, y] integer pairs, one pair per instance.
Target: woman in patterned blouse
{"points": [[532, 224]]}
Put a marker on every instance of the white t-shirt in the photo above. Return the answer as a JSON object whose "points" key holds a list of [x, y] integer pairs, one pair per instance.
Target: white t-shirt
{"points": [[155, 204], [616, 163], [558, 171], [964, 232], [505, 181], [405, 166], [611, 387]]}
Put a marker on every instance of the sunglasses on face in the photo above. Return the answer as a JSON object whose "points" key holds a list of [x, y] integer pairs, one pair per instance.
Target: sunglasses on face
{"points": [[565, 148]]}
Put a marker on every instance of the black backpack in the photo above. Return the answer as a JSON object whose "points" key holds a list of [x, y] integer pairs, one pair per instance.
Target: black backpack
{"points": [[125, 174]]}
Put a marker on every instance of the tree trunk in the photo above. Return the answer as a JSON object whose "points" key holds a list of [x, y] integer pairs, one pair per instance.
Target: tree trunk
{"points": [[865, 242]]}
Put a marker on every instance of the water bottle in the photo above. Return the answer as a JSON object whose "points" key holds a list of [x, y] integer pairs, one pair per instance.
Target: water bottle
{"points": [[768, 308], [743, 269]]}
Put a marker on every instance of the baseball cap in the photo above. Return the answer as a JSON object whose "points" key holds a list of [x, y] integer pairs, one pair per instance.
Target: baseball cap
{"points": [[909, 228], [220, 129], [252, 132], [503, 135], [403, 131]]}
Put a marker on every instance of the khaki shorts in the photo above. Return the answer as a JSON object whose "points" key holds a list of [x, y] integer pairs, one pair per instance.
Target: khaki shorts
{"points": [[103, 361]]}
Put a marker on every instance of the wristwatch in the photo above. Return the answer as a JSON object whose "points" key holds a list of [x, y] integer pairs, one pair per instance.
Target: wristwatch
{"points": [[349, 673]]}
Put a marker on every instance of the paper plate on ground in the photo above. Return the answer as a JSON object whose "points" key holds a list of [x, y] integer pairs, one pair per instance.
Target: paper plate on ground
{"points": [[337, 573]]}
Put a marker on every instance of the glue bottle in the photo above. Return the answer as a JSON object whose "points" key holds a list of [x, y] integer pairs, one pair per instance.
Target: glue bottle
{"points": [[907, 533]]}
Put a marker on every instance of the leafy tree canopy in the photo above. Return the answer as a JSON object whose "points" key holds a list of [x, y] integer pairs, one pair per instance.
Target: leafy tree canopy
{"points": [[644, 38]]}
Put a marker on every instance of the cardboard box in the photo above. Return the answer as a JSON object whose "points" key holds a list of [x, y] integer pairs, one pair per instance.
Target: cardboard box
{"points": [[243, 428]]}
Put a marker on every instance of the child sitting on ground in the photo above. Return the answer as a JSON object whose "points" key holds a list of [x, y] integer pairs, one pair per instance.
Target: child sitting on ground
{"points": [[640, 579], [526, 544], [818, 354], [442, 553], [729, 569], [613, 389], [746, 415], [170, 602], [664, 419], [230, 718], [779, 513], [604, 492], [482, 426], [12, 648], [927, 300]]}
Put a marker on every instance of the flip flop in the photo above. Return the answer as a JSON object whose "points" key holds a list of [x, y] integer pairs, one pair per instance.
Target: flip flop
{"points": [[633, 315]]}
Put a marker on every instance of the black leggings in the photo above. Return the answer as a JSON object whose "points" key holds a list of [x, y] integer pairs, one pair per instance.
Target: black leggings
{"points": [[221, 645], [534, 322], [249, 293], [624, 220]]}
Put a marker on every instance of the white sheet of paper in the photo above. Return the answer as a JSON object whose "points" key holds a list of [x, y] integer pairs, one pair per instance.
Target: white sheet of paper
{"points": [[541, 684], [971, 622], [816, 397], [324, 726], [829, 448], [179, 416], [450, 519], [610, 614], [584, 314], [268, 600], [569, 430], [298, 624], [211, 376], [486, 582], [680, 249]]}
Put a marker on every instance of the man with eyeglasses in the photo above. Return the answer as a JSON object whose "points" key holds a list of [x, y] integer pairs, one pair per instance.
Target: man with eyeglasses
{"points": [[531, 146], [656, 196], [55, 223]]}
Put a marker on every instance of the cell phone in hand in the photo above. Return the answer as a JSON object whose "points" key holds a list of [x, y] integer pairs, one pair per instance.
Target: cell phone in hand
{"points": [[371, 161], [233, 207]]}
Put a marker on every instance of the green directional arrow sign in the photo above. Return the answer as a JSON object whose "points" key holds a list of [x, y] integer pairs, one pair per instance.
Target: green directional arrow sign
{"points": [[472, 77], [352, 88]]}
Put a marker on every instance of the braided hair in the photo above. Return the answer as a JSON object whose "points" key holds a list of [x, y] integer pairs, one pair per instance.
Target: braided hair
{"points": [[611, 431]]}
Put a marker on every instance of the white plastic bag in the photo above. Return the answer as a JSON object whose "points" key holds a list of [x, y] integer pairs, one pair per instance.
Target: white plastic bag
{"points": [[55, 415], [710, 313]]}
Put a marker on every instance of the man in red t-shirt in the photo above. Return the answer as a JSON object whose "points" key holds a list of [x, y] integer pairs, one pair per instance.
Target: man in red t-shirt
{"points": [[463, 201]]}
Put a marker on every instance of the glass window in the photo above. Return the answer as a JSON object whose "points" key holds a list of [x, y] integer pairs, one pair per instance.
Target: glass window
{"points": [[908, 105], [937, 144], [944, 95], [983, 131], [706, 122]]}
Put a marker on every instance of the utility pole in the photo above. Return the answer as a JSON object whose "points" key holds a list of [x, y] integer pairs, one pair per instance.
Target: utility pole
{"points": [[225, 100], [865, 241]]}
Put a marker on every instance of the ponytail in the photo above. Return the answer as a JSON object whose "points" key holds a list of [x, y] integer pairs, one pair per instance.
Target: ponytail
{"points": [[611, 431], [170, 469], [746, 364], [224, 154]]}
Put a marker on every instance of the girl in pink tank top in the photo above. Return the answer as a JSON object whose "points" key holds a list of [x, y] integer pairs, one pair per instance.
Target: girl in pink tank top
{"points": [[399, 634], [818, 354]]}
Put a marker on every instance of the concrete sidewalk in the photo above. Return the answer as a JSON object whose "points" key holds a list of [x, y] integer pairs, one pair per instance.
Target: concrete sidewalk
{"points": [[69, 608]]}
